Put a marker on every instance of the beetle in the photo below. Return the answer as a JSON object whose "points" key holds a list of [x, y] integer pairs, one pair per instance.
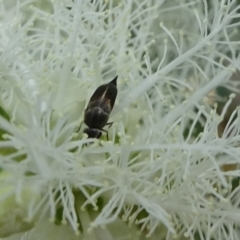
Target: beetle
{"points": [[99, 107]]}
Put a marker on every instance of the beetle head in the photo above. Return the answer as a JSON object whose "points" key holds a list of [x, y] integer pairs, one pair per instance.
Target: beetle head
{"points": [[93, 132]]}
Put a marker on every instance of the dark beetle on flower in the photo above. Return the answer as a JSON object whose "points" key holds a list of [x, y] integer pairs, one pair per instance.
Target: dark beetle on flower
{"points": [[99, 107]]}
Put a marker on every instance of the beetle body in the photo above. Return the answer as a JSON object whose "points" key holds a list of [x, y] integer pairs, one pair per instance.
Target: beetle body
{"points": [[98, 109]]}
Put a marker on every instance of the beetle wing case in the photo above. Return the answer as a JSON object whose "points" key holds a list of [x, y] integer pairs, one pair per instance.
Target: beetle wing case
{"points": [[104, 96]]}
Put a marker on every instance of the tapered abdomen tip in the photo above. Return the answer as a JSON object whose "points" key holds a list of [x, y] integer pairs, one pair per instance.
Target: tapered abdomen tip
{"points": [[114, 81]]}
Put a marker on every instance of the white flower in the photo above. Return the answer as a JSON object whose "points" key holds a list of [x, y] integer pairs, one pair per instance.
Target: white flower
{"points": [[13, 208], [158, 172]]}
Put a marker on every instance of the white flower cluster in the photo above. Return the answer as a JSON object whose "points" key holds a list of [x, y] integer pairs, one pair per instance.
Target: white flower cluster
{"points": [[161, 174]]}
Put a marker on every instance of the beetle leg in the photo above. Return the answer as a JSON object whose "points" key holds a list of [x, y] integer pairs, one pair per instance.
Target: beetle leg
{"points": [[79, 127], [109, 124], [106, 133]]}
